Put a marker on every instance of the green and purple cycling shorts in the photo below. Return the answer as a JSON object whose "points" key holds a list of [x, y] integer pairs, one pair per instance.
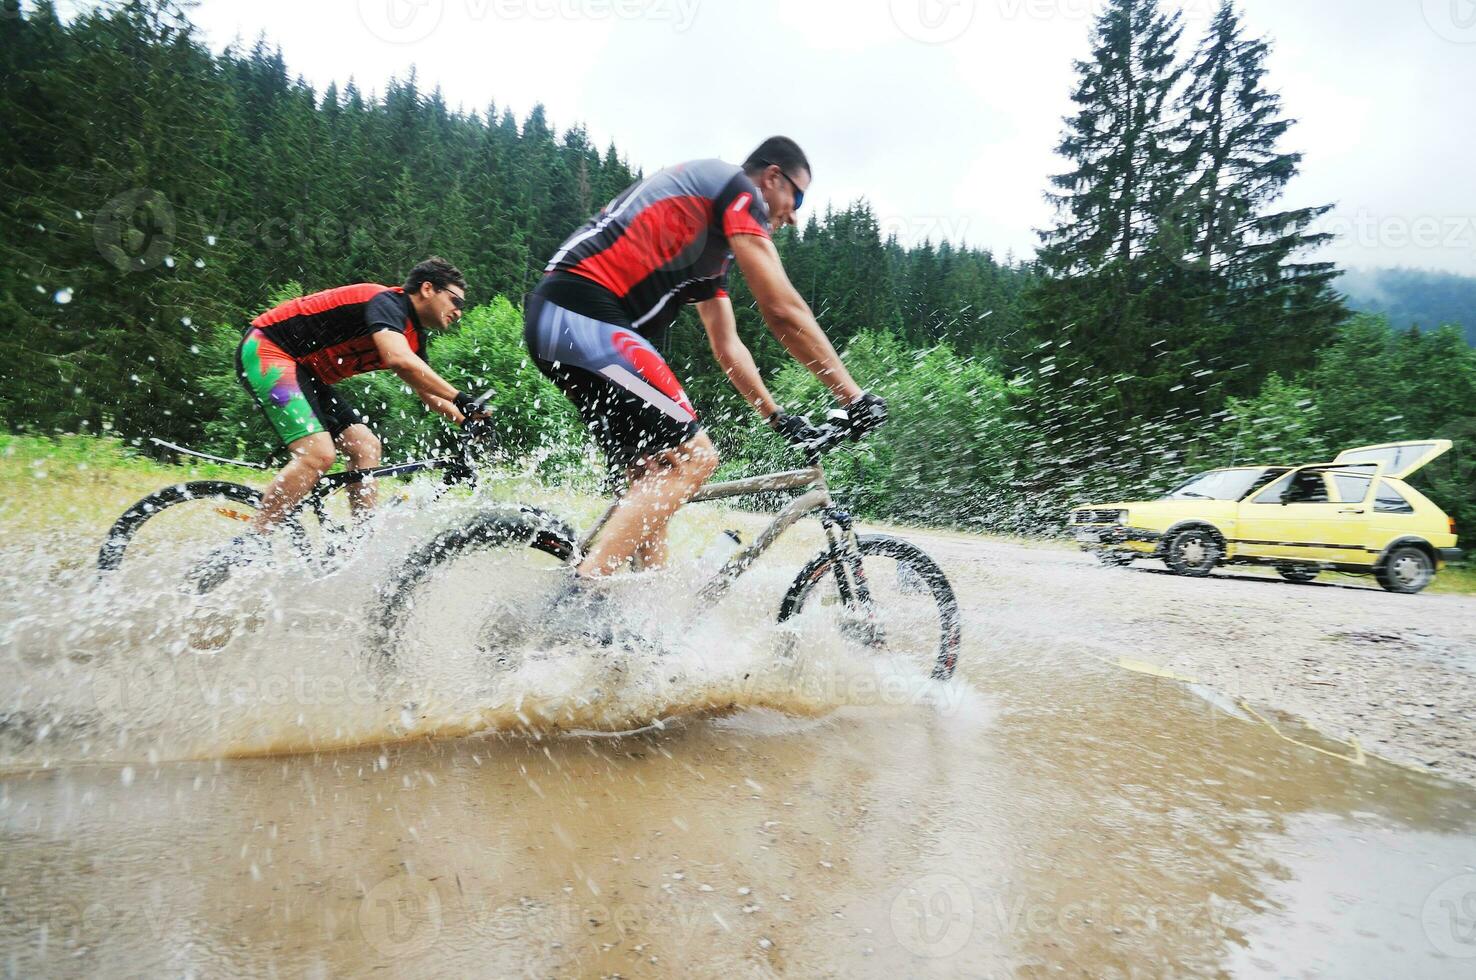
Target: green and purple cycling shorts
{"points": [[295, 401]]}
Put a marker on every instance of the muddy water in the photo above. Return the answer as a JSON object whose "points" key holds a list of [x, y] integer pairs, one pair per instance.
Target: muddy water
{"points": [[1046, 813]]}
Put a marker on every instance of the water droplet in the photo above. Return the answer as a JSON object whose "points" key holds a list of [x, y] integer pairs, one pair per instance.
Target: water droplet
{"points": [[169, 261], [62, 296], [186, 321], [194, 348]]}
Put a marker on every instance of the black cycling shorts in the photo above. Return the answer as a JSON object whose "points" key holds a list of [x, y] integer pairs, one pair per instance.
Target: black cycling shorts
{"points": [[626, 394]]}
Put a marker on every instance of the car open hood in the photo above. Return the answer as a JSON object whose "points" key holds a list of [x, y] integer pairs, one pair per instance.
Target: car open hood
{"points": [[1400, 459]]}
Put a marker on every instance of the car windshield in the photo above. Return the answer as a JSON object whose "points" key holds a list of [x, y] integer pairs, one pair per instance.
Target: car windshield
{"points": [[1219, 485]]}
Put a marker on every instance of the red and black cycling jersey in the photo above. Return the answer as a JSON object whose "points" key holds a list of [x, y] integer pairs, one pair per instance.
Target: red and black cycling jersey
{"points": [[664, 241], [332, 332]]}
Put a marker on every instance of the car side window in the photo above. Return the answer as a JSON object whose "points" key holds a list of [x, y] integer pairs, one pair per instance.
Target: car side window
{"points": [[1391, 501], [1273, 493], [1351, 488], [1307, 487]]}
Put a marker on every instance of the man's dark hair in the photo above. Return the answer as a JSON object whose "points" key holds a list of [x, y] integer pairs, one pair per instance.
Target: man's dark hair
{"points": [[436, 271], [780, 150]]}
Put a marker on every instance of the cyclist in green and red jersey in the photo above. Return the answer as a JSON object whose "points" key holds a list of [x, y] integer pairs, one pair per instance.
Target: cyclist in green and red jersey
{"points": [[293, 354]]}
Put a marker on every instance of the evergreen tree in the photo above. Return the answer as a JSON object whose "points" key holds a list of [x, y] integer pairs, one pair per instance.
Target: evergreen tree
{"points": [[1105, 290], [1222, 226]]}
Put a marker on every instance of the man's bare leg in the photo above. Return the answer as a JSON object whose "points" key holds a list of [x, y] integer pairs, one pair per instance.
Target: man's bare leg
{"points": [[312, 456], [666, 481], [363, 449]]}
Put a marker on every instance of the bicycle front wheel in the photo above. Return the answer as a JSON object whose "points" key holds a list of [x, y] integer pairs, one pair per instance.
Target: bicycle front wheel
{"points": [[895, 600]]}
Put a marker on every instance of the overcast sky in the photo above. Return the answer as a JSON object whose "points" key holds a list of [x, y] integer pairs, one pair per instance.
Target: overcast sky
{"points": [[943, 113]]}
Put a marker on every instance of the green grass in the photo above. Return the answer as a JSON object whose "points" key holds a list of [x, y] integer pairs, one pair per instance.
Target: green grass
{"points": [[85, 482], [82, 483]]}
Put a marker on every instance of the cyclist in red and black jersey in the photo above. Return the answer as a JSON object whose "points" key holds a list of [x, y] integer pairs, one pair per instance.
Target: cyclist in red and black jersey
{"points": [[292, 354], [664, 242]]}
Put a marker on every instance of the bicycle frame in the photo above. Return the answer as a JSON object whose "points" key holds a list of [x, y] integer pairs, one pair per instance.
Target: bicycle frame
{"points": [[836, 522], [459, 469]]}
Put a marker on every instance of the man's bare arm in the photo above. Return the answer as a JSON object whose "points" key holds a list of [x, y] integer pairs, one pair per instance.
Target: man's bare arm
{"points": [[396, 355], [733, 356], [789, 316]]}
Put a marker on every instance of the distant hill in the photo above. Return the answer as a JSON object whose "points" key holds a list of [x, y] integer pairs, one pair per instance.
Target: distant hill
{"points": [[1413, 297]]}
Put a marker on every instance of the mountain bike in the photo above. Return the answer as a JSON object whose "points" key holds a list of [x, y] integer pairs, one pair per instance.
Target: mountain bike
{"points": [[213, 512], [879, 591]]}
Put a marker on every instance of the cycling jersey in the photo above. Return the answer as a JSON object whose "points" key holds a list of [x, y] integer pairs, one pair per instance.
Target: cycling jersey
{"points": [[663, 241], [332, 333]]}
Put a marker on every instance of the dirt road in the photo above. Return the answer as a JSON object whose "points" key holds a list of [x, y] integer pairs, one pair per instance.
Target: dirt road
{"points": [[1395, 673]]}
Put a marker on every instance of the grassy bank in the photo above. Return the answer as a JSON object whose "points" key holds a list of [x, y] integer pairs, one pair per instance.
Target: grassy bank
{"points": [[85, 482], [82, 483]]}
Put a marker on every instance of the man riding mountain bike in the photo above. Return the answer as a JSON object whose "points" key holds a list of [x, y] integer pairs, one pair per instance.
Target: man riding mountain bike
{"points": [[666, 241], [291, 356]]}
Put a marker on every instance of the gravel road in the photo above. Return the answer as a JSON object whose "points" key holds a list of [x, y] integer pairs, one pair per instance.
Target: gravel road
{"points": [[1395, 672]]}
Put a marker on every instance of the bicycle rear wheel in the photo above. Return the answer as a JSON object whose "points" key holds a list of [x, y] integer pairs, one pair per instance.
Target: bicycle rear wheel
{"points": [[473, 586], [901, 603], [172, 529]]}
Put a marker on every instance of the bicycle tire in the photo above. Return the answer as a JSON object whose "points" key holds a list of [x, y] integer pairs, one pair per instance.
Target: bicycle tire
{"points": [[498, 528], [950, 631], [121, 534]]}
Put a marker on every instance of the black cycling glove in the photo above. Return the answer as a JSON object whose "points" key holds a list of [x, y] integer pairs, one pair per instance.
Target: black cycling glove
{"points": [[796, 429], [867, 412]]}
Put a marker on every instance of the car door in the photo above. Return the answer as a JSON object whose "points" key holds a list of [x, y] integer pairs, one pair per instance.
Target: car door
{"points": [[1267, 519], [1315, 514]]}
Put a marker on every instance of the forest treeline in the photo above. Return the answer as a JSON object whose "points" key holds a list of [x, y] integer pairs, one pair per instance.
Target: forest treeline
{"points": [[158, 195]]}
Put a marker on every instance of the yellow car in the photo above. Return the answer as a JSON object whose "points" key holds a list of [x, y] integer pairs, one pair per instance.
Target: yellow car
{"points": [[1355, 514]]}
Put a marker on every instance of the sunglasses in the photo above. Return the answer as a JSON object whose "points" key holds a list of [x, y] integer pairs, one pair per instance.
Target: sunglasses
{"points": [[799, 195], [457, 301]]}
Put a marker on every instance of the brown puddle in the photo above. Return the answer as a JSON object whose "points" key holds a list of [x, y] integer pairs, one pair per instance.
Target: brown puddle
{"points": [[1080, 820]]}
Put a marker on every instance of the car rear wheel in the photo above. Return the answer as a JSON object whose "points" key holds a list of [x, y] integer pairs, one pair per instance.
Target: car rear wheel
{"points": [[1194, 552], [1407, 569], [1297, 573]]}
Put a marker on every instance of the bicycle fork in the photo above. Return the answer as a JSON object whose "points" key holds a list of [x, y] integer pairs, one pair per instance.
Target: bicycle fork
{"points": [[850, 577]]}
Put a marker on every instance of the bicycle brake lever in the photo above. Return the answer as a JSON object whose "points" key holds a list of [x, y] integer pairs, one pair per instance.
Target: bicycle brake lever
{"points": [[481, 400]]}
